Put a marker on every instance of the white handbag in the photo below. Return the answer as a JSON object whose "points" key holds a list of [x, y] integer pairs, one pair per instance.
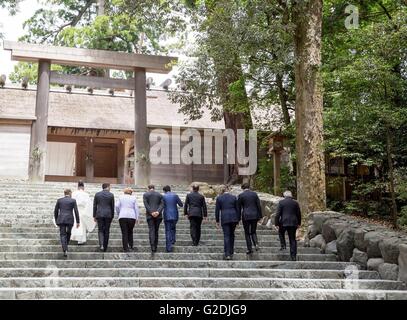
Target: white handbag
{"points": [[269, 224]]}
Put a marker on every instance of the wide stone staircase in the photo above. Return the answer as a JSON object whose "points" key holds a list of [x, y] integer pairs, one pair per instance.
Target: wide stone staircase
{"points": [[32, 265]]}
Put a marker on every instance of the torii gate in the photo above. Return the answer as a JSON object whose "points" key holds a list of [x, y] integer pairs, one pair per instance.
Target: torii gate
{"points": [[46, 55]]}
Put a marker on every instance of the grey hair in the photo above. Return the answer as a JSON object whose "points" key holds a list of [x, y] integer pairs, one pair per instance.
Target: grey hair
{"points": [[287, 194], [224, 188]]}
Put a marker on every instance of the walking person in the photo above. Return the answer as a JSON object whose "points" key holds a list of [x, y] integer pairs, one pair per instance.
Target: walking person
{"points": [[128, 211], [170, 212], [64, 212], [103, 213], [249, 208], [227, 215], [195, 209], [154, 204], [288, 219], [85, 215]]}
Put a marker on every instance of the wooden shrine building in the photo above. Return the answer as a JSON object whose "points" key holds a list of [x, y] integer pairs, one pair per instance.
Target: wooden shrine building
{"points": [[51, 134]]}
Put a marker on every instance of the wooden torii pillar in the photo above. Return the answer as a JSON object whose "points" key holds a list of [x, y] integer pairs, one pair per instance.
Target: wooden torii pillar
{"points": [[142, 167], [39, 127], [45, 55]]}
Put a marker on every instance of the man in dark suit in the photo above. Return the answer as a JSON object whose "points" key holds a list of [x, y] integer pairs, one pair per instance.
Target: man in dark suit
{"points": [[171, 203], [195, 209], [288, 219], [154, 204], [249, 207], [64, 211], [103, 213], [227, 214]]}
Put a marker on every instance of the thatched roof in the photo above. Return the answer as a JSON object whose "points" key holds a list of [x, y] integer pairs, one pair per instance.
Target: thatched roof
{"points": [[79, 109]]}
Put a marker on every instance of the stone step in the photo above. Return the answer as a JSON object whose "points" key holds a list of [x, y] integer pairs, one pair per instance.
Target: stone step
{"points": [[201, 293], [47, 222], [137, 236], [43, 210], [46, 212], [30, 192], [88, 186], [48, 198], [200, 265], [115, 228], [164, 255], [116, 242], [184, 272], [115, 231], [59, 193], [196, 282], [139, 248]]}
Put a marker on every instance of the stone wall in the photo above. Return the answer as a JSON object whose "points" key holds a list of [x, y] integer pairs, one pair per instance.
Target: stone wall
{"points": [[371, 246]]}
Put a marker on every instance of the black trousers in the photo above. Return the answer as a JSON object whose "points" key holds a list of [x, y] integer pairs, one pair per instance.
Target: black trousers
{"points": [[127, 226], [65, 234], [195, 224], [281, 236], [170, 234], [291, 237], [153, 228], [104, 231], [250, 227], [229, 238]]}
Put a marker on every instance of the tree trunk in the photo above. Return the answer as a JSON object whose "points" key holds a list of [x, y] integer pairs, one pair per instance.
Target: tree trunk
{"points": [[394, 213], [283, 99], [311, 191], [234, 121]]}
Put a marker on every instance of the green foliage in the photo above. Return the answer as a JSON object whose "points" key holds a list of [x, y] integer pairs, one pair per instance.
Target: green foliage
{"points": [[263, 180], [368, 199], [130, 26], [29, 70], [403, 217], [287, 180], [238, 44], [366, 95], [401, 189]]}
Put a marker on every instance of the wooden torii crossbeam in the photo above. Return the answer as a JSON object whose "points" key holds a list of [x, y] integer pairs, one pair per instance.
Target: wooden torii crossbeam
{"points": [[46, 55], [103, 59]]}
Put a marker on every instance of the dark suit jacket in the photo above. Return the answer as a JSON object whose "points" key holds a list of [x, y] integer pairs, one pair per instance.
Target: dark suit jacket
{"points": [[103, 205], [171, 203], [64, 211], [153, 201], [288, 213], [226, 209], [248, 204], [195, 205]]}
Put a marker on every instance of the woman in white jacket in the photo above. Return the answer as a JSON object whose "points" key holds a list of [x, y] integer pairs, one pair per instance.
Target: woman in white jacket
{"points": [[128, 211], [85, 215]]}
